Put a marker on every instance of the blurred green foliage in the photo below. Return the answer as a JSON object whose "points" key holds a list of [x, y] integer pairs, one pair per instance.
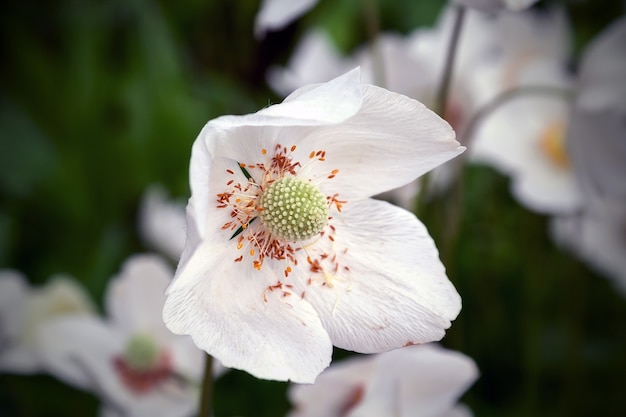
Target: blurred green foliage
{"points": [[99, 99]]}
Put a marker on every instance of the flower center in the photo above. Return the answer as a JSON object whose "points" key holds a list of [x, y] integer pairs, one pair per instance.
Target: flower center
{"points": [[143, 365], [552, 144], [293, 209], [142, 352]]}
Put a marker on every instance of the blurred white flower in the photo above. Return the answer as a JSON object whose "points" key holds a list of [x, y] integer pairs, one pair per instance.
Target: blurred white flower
{"points": [[23, 311], [286, 253], [276, 14], [495, 5], [491, 56], [162, 222], [596, 140], [525, 138], [425, 381], [130, 359]]}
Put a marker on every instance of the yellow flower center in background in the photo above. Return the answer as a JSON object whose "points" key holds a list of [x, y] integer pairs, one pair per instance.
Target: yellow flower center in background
{"points": [[552, 144]]}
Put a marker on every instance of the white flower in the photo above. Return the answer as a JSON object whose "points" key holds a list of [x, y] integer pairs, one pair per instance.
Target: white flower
{"points": [[130, 360], [286, 254], [596, 141], [24, 310], [424, 381], [276, 14], [525, 138], [162, 222]]}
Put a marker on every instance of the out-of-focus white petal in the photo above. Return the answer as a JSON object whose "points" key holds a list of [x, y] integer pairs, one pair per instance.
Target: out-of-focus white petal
{"points": [[495, 5], [596, 141], [162, 222], [336, 390], [81, 351], [222, 305], [399, 269], [602, 70], [276, 14], [597, 236], [13, 292], [29, 310], [135, 297], [525, 138], [423, 381]]}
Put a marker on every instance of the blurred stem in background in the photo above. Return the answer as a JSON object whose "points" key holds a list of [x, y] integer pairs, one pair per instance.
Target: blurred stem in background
{"points": [[443, 91]]}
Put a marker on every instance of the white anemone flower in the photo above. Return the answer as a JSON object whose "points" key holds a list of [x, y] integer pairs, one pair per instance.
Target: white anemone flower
{"points": [[287, 255], [24, 309], [276, 14], [425, 380], [130, 360], [162, 222]]}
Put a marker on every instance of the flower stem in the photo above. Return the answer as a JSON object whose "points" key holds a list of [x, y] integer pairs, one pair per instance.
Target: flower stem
{"points": [[372, 25], [442, 92], [206, 398], [448, 68], [509, 95]]}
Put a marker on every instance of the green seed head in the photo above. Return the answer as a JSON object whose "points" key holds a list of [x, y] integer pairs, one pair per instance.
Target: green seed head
{"points": [[293, 209], [142, 352]]}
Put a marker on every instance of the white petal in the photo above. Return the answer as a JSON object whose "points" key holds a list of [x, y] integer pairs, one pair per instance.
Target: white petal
{"points": [[276, 14], [80, 351], [162, 222], [390, 142], [13, 292], [423, 381], [494, 5], [334, 390], [220, 303], [136, 296], [597, 237], [395, 292], [595, 140], [311, 105], [603, 69]]}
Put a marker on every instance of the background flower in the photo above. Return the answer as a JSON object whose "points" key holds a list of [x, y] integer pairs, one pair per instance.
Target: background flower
{"points": [[25, 310], [130, 360]]}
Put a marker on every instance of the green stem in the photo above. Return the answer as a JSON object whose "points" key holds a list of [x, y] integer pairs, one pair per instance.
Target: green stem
{"points": [[372, 25], [448, 69], [443, 92], [206, 398], [509, 95]]}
